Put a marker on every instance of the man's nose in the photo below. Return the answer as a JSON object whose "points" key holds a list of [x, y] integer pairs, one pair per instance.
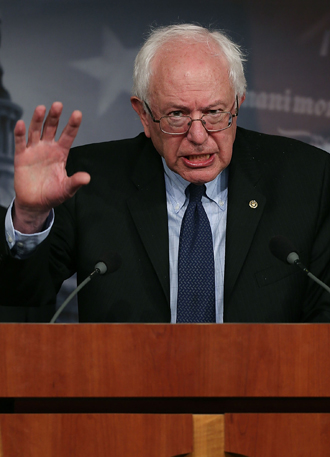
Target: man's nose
{"points": [[197, 133]]}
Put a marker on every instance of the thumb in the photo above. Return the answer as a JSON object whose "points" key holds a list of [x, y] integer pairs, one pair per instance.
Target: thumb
{"points": [[76, 181]]}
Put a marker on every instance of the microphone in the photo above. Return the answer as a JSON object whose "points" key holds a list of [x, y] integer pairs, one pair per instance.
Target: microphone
{"points": [[111, 264], [284, 250]]}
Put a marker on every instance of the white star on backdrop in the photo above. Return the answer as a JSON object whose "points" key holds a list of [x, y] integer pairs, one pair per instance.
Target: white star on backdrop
{"points": [[113, 69]]}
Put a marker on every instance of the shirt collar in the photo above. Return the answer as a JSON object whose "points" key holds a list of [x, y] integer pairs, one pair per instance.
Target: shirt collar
{"points": [[216, 190]]}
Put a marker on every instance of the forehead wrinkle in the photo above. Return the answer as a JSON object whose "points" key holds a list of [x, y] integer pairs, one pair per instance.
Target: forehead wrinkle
{"points": [[188, 66], [190, 78], [184, 106]]}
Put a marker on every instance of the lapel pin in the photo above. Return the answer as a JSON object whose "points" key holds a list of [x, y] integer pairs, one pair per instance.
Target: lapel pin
{"points": [[253, 204]]}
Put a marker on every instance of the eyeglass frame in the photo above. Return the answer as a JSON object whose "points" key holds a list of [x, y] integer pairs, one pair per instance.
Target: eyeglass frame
{"points": [[193, 120]]}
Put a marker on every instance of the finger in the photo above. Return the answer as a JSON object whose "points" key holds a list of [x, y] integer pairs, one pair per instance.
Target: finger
{"points": [[36, 125], [52, 121], [70, 130], [19, 136], [76, 181]]}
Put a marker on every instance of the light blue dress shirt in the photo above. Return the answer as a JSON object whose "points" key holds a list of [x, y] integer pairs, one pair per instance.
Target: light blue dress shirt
{"points": [[215, 205]]}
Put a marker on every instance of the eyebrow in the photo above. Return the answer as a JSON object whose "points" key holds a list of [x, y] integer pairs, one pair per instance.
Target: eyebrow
{"points": [[216, 103], [177, 107]]}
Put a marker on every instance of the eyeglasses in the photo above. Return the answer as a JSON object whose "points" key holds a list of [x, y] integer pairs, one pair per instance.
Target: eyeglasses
{"points": [[180, 124]]}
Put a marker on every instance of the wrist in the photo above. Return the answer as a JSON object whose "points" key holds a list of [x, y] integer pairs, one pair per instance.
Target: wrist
{"points": [[28, 221]]}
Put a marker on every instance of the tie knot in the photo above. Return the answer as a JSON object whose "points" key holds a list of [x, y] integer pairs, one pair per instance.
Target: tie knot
{"points": [[196, 192]]}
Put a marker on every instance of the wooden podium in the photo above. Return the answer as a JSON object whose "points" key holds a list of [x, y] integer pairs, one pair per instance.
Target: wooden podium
{"points": [[162, 390]]}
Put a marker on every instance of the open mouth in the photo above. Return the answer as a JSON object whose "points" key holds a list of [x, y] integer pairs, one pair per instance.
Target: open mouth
{"points": [[198, 160]]}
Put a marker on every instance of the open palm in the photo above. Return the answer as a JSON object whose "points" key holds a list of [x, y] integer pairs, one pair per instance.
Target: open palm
{"points": [[41, 182]]}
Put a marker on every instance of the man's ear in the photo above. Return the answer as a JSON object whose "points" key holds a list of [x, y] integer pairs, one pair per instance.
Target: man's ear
{"points": [[139, 108], [241, 100]]}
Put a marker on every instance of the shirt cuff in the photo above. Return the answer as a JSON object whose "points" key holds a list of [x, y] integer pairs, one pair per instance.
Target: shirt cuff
{"points": [[22, 244]]}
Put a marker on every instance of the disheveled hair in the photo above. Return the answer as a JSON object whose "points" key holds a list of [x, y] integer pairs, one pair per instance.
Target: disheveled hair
{"points": [[189, 33]]}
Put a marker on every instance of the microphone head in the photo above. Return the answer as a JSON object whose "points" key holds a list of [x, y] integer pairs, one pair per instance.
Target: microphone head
{"points": [[111, 263], [101, 267], [283, 249]]}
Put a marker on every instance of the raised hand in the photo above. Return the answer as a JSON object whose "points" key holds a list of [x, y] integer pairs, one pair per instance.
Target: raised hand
{"points": [[41, 182]]}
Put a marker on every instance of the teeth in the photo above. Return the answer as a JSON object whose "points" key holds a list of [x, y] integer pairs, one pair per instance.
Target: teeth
{"points": [[199, 157]]}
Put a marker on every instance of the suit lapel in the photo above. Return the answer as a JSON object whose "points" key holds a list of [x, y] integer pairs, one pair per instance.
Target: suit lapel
{"points": [[245, 207], [148, 210]]}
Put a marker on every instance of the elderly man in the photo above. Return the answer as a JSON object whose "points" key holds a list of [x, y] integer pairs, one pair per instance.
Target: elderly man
{"points": [[190, 205]]}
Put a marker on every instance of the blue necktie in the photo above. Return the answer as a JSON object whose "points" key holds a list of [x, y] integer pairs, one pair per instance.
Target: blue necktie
{"points": [[196, 285]]}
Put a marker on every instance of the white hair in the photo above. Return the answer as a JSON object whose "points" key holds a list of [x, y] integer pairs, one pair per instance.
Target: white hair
{"points": [[187, 33]]}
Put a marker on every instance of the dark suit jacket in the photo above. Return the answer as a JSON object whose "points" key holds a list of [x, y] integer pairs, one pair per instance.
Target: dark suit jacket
{"points": [[123, 209]]}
